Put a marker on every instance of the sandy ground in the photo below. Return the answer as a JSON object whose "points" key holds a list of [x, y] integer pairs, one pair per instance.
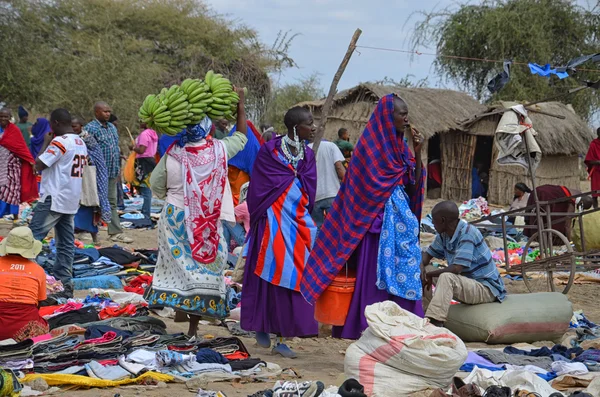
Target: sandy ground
{"points": [[319, 358]]}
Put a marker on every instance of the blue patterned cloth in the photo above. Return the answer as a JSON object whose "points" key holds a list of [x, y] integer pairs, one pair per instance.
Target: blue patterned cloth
{"points": [[399, 258], [108, 140], [101, 175], [196, 133], [467, 248]]}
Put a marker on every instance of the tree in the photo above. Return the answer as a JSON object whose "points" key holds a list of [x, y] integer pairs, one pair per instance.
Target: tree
{"points": [[541, 31], [71, 53], [286, 96]]}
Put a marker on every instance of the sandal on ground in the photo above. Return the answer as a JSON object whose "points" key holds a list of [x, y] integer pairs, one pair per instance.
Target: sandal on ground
{"points": [[121, 238]]}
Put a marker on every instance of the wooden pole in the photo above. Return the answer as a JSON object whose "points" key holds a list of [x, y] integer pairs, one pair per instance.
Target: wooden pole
{"points": [[333, 90]]}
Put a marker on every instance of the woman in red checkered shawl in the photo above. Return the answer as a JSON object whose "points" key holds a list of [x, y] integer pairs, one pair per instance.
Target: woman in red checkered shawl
{"points": [[373, 224]]}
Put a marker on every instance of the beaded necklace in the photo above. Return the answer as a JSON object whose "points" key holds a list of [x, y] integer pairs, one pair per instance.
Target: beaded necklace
{"points": [[285, 147]]}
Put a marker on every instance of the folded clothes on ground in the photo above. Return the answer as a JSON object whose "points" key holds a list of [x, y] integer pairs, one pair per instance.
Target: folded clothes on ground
{"points": [[104, 282]]}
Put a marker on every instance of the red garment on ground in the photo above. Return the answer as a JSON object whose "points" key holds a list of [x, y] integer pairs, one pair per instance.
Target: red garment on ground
{"points": [[138, 285], [593, 154], [12, 139], [236, 356], [111, 312], [107, 337]]}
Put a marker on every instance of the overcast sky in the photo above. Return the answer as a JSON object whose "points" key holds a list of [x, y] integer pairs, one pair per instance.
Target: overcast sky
{"points": [[325, 28]]}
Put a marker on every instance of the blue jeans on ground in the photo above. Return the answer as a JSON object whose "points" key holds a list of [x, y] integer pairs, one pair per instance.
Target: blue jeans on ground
{"points": [[45, 219], [146, 193], [237, 232], [320, 209]]}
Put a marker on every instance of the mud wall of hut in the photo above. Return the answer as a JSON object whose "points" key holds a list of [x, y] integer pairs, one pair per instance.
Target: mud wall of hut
{"points": [[553, 170], [457, 164]]}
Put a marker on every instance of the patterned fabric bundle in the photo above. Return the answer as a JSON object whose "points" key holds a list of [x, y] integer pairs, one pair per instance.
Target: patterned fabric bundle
{"points": [[385, 161], [204, 171]]}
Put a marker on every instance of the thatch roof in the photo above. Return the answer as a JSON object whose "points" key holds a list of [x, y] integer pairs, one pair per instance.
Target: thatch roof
{"points": [[568, 136], [430, 110]]}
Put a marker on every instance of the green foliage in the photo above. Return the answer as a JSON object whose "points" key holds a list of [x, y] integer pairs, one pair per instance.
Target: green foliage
{"points": [[286, 96], [539, 31], [71, 53]]}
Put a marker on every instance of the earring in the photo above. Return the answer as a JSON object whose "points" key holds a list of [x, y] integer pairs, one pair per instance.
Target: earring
{"points": [[296, 139]]}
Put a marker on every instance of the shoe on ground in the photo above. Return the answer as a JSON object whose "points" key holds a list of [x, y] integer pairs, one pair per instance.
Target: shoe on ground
{"points": [[284, 350], [121, 238]]}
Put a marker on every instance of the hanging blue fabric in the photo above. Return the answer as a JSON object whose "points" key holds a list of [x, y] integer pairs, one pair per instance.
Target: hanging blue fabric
{"points": [[546, 71], [244, 160], [399, 257]]}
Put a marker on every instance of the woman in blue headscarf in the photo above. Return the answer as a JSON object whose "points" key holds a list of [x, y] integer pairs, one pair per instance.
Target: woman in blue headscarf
{"points": [[192, 252], [38, 131]]}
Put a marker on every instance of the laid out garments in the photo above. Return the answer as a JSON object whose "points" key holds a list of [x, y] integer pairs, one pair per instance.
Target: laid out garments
{"points": [[118, 255], [82, 316]]}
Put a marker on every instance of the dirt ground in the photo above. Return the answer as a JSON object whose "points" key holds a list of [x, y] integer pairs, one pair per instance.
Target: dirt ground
{"points": [[318, 358]]}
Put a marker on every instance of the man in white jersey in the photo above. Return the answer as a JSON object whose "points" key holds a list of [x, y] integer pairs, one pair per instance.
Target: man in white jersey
{"points": [[61, 162]]}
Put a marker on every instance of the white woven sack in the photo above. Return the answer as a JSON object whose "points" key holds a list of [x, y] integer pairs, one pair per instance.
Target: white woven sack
{"points": [[401, 353]]}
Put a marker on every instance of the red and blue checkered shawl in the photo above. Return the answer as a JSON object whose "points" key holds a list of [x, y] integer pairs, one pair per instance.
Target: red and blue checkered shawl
{"points": [[380, 162]]}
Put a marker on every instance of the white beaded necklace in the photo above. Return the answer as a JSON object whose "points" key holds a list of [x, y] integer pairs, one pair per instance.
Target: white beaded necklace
{"points": [[286, 143]]}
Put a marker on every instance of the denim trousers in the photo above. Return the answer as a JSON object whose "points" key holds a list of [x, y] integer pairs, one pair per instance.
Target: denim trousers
{"points": [[114, 227], [235, 231], [146, 193], [45, 219], [320, 209]]}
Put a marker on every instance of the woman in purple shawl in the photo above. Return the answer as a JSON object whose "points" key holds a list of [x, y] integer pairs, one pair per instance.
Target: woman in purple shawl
{"points": [[280, 199]]}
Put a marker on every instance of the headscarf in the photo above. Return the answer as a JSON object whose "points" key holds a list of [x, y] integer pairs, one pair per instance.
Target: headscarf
{"points": [[38, 130], [22, 112], [204, 176], [381, 162], [196, 133]]}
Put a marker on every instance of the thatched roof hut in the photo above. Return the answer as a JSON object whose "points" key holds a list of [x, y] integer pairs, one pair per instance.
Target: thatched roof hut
{"points": [[440, 114], [431, 110], [562, 141]]}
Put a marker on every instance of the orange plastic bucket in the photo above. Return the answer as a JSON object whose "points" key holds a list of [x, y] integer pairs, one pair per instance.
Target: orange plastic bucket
{"points": [[333, 305]]}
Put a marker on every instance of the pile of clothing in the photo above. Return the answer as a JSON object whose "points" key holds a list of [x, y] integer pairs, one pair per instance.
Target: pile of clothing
{"points": [[101, 342], [100, 267], [474, 209]]}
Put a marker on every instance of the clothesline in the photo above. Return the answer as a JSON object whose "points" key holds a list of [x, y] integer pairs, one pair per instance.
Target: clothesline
{"points": [[415, 52]]}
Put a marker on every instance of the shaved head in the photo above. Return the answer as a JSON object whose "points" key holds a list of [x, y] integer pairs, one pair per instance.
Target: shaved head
{"points": [[102, 111], [100, 104], [445, 217], [447, 209]]}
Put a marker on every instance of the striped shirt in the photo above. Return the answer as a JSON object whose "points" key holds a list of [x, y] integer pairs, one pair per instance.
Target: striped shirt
{"points": [[468, 249], [108, 140]]}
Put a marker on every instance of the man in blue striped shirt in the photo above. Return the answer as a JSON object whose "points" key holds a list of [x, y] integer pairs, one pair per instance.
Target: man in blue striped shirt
{"points": [[471, 276]]}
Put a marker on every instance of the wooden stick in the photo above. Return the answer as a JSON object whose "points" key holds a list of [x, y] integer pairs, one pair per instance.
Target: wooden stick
{"points": [[473, 119], [131, 136], [333, 90]]}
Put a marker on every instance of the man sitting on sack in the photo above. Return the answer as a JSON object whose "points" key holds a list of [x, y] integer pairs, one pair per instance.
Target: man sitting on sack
{"points": [[471, 276]]}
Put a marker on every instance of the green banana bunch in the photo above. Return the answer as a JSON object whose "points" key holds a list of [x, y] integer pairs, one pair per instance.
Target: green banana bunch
{"points": [[176, 107], [224, 98]]}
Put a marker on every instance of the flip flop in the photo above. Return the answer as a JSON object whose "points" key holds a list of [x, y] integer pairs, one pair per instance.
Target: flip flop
{"points": [[263, 339], [284, 350]]}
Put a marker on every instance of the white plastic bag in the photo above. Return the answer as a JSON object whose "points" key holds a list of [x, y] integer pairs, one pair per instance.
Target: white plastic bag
{"points": [[401, 353]]}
